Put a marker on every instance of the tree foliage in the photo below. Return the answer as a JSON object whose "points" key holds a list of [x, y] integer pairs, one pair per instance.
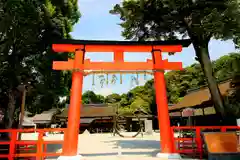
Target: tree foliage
{"points": [[178, 83], [27, 30], [90, 97], [199, 20]]}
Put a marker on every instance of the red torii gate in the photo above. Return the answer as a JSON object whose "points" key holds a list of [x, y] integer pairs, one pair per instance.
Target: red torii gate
{"points": [[79, 64]]}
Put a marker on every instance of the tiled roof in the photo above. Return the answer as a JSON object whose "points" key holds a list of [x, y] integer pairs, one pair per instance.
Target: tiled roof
{"points": [[92, 111], [198, 97], [46, 115]]}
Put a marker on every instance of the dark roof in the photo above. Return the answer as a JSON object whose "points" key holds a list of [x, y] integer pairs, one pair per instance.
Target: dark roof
{"points": [[198, 97], [184, 43], [92, 111], [96, 105], [141, 111], [197, 112], [27, 113], [28, 121], [175, 114], [46, 115]]}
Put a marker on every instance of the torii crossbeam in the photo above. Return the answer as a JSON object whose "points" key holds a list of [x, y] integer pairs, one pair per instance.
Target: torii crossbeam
{"points": [[79, 64]]}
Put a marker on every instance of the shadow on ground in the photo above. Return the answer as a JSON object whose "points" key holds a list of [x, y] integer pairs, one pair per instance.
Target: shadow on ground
{"points": [[129, 147], [150, 154], [138, 144], [53, 148]]}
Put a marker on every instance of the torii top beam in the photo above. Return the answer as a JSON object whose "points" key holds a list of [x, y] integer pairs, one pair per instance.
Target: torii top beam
{"points": [[69, 45], [118, 48]]}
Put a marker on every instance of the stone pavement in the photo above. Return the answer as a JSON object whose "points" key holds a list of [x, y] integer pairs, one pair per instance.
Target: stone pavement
{"points": [[108, 147]]}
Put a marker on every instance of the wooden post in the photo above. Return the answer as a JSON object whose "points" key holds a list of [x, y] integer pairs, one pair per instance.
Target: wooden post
{"points": [[70, 147], [12, 145], [22, 108], [166, 135], [39, 155], [22, 111]]}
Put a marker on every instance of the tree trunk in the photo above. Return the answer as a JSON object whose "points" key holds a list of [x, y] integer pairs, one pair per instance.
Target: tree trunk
{"points": [[204, 59], [10, 109]]}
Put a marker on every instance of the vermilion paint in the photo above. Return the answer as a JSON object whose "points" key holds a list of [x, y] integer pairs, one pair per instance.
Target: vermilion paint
{"points": [[79, 64]]}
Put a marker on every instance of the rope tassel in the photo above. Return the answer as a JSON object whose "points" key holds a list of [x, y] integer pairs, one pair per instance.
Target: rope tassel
{"points": [[93, 80], [107, 80], [120, 78]]}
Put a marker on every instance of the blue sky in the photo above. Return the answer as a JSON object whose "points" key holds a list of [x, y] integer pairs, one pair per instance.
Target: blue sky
{"points": [[97, 24]]}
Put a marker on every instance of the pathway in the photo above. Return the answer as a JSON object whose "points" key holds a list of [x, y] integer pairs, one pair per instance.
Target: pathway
{"points": [[108, 147]]}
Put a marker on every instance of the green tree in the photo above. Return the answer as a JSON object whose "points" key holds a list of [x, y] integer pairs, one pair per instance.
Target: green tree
{"points": [[27, 30], [179, 82], [113, 98], [139, 103], [124, 100], [226, 66], [174, 19], [89, 97]]}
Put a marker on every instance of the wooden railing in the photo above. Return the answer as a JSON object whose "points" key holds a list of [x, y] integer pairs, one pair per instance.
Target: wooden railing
{"points": [[38, 148], [32, 148], [193, 143]]}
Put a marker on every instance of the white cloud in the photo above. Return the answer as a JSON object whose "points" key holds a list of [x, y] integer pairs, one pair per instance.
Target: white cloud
{"points": [[141, 81], [104, 91]]}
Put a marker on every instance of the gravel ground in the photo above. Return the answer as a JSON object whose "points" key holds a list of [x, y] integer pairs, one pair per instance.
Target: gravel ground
{"points": [[109, 147]]}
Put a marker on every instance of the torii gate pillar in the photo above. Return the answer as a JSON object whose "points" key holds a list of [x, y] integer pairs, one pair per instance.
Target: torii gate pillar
{"points": [[166, 133], [70, 145]]}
